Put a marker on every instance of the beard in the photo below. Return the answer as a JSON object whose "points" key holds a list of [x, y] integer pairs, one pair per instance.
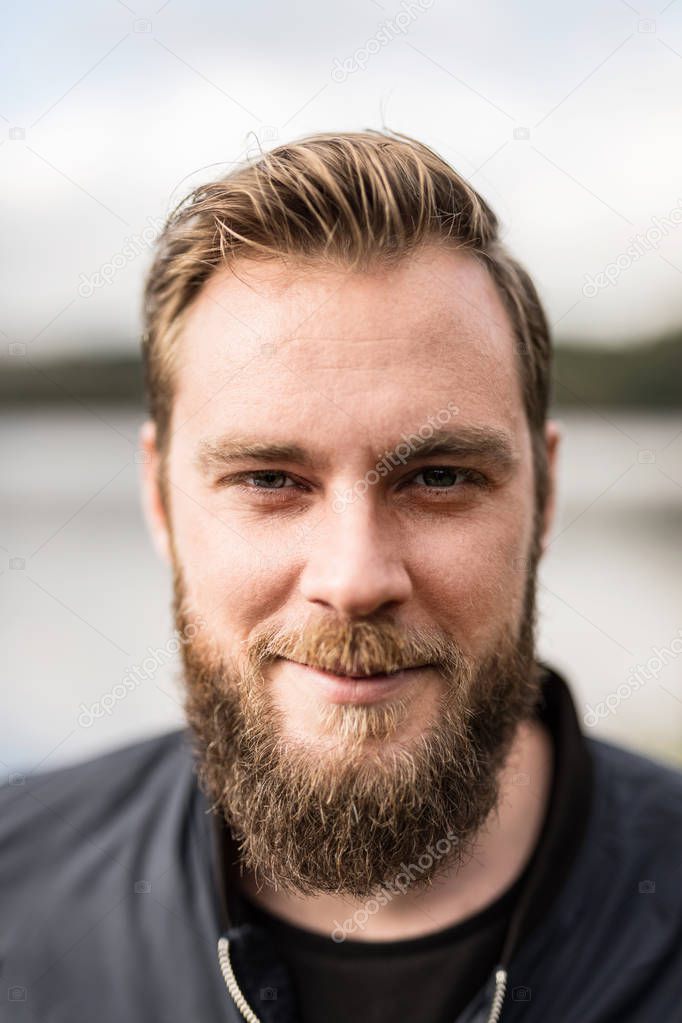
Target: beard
{"points": [[346, 813]]}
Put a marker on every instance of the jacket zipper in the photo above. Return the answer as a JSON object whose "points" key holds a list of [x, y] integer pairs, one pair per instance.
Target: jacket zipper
{"points": [[498, 997], [231, 982], [250, 1016]]}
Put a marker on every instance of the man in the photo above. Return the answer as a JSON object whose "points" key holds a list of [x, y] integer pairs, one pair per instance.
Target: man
{"points": [[384, 807]]}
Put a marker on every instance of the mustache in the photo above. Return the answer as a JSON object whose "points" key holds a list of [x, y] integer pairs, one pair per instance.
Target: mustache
{"points": [[359, 647]]}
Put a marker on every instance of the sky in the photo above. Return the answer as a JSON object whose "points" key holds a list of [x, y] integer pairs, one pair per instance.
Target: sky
{"points": [[567, 119]]}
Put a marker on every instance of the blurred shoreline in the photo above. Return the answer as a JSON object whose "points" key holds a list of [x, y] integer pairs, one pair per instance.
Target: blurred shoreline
{"points": [[640, 376], [86, 597]]}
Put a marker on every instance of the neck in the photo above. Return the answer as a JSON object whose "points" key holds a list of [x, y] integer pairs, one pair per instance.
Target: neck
{"points": [[501, 851]]}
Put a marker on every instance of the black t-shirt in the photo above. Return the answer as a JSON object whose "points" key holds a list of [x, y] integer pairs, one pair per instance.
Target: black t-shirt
{"points": [[427, 979], [432, 978]]}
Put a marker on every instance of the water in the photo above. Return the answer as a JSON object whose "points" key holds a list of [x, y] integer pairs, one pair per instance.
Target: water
{"points": [[90, 598]]}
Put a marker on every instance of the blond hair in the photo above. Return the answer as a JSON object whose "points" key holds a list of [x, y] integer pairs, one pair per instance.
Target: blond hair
{"points": [[355, 200]]}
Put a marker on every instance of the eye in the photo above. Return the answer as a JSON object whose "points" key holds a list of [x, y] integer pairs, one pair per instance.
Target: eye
{"points": [[268, 485], [271, 479], [447, 477], [267, 479]]}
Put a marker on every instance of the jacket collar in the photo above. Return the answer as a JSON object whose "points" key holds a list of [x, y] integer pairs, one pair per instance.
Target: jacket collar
{"points": [[563, 831]]}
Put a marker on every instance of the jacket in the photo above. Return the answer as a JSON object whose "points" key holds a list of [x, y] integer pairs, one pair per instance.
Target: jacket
{"points": [[113, 905]]}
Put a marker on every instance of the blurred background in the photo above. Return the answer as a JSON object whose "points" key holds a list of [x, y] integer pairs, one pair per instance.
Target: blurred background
{"points": [[566, 119]]}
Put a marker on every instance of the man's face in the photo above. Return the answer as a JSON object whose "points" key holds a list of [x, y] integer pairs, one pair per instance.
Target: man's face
{"points": [[305, 490]]}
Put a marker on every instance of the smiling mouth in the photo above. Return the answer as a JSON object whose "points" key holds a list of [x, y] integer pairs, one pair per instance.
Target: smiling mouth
{"points": [[338, 672]]}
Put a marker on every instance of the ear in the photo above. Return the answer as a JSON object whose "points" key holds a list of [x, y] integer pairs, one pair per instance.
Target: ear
{"points": [[552, 439], [152, 503]]}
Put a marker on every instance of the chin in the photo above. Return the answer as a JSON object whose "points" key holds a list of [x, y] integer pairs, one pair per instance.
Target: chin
{"points": [[359, 728]]}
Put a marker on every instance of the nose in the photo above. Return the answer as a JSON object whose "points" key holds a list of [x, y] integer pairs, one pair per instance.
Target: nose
{"points": [[355, 564]]}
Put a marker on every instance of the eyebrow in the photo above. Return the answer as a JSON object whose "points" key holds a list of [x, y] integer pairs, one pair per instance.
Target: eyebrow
{"points": [[492, 446]]}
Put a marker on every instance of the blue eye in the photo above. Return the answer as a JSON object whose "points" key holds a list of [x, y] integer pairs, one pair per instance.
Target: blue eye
{"points": [[269, 479], [447, 477], [261, 481]]}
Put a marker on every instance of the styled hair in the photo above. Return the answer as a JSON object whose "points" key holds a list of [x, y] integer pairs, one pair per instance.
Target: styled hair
{"points": [[355, 201]]}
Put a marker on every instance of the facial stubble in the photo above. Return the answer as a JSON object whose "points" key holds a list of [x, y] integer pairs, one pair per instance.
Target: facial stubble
{"points": [[345, 813]]}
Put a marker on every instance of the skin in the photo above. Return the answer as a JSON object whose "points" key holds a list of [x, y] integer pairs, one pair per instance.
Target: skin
{"points": [[341, 365]]}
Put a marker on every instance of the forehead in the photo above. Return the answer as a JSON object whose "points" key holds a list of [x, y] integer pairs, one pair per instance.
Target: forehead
{"points": [[337, 355]]}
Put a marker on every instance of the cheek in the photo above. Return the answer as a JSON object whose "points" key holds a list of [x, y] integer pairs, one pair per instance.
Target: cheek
{"points": [[230, 580], [473, 573]]}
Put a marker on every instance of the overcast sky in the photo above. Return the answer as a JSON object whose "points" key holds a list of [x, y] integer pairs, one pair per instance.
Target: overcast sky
{"points": [[568, 119]]}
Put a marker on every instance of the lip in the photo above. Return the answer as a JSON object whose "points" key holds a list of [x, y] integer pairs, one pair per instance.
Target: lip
{"points": [[347, 689]]}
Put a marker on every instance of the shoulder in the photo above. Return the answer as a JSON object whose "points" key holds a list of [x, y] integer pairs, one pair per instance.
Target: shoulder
{"points": [[612, 948], [105, 879], [637, 823], [59, 818], [640, 789], [627, 881]]}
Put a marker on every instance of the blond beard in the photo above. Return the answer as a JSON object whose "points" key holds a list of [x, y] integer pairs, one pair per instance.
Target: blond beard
{"points": [[346, 812]]}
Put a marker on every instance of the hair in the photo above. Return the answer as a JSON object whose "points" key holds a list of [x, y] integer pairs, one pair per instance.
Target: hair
{"points": [[355, 201]]}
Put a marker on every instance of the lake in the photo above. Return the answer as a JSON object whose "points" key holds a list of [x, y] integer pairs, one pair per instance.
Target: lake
{"points": [[87, 604]]}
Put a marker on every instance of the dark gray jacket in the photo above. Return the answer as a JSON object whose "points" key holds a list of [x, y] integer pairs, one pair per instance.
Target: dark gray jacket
{"points": [[109, 906]]}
